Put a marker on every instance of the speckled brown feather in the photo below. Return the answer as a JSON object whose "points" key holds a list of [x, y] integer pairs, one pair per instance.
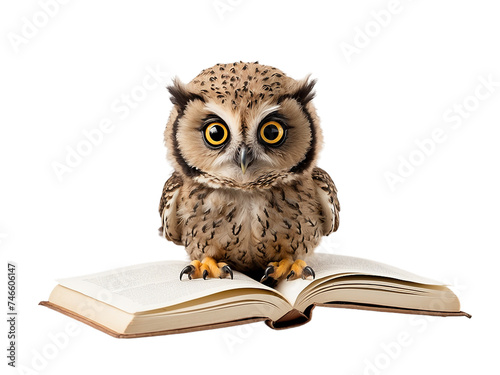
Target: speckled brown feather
{"points": [[170, 221], [331, 209]]}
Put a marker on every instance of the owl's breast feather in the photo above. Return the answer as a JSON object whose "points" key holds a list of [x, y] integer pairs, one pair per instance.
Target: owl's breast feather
{"points": [[250, 229]]}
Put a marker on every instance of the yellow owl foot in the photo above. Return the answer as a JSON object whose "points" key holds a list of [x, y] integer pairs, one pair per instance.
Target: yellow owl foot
{"points": [[208, 267], [293, 270]]}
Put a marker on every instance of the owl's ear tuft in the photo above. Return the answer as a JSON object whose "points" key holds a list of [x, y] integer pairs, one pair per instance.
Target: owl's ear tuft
{"points": [[181, 95], [304, 92]]}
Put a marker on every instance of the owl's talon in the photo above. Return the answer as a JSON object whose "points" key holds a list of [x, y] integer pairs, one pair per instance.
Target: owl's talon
{"points": [[207, 268], [269, 270], [189, 270], [308, 271], [292, 270], [226, 270]]}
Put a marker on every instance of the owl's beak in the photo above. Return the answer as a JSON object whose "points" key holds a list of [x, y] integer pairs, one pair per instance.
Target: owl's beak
{"points": [[245, 159]]}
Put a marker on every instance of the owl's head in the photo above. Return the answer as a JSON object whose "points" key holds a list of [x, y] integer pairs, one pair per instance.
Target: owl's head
{"points": [[242, 124]]}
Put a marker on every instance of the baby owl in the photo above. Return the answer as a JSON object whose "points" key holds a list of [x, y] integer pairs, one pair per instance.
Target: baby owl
{"points": [[246, 194]]}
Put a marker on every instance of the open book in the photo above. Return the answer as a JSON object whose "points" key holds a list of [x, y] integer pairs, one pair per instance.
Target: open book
{"points": [[149, 299]]}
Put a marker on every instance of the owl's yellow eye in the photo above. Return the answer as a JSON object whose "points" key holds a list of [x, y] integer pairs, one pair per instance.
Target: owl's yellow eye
{"points": [[272, 133], [216, 134]]}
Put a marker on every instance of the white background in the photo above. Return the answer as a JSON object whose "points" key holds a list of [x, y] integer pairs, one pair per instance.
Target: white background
{"points": [[441, 221]]}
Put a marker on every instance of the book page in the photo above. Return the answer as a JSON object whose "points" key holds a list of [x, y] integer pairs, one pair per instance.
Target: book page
{"points": [[327, 266], [153, 286]]}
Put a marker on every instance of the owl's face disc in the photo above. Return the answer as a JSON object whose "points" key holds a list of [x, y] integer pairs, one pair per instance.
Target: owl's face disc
{"points": [[242, 122]]}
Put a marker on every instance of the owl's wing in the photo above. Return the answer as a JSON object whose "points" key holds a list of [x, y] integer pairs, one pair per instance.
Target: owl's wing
{"points": [[171, 225], [327, 194]]}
